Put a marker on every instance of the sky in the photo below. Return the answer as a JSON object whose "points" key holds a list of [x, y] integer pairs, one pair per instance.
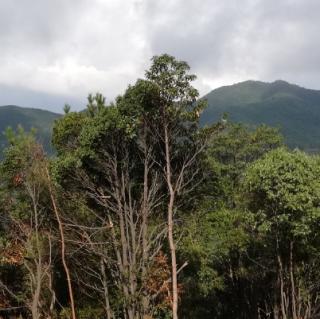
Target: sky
{"points": [[54, 52]]}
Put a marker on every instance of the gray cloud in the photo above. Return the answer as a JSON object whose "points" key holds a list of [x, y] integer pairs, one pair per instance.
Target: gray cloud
{"points": [[12, 95], [235, 40], [61, 50]]}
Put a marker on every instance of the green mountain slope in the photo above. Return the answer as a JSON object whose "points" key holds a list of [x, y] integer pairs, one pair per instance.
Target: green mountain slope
{"points": [[42, 121], [294, 109]]}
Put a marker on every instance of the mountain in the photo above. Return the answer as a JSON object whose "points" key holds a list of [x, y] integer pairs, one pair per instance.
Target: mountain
{"points": [[42, 121], [295, 110]]}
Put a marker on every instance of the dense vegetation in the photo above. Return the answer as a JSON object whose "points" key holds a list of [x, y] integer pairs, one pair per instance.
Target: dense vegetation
{"points": [[145, 214], [295, 110]]}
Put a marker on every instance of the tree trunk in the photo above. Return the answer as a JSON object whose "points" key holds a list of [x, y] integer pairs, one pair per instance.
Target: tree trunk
{"points": [[106, 290], [293, 292], [39, 266], [282, 292], [36, 294], [63, 247], [170, 228]]}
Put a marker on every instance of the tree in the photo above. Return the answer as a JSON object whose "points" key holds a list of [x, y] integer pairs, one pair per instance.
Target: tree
{"points": [[30, 243], [110, 165], [132, 159], [283, 191], [229, 154], [179, 135], [216, 236], [31, 198]]}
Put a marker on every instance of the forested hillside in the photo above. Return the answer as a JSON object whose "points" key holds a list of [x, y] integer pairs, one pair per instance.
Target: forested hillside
{"points": [[292, 109], [295, 110], [145, 214], [42, 121]]}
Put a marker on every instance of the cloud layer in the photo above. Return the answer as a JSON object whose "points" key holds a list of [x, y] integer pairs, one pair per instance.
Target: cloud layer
{"points": [[65, 49]]}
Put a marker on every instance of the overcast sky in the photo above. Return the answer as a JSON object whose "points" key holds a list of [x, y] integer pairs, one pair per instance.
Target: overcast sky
{"points": [[57, 51]]}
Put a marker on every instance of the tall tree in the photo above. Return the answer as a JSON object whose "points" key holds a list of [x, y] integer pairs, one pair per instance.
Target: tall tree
{"points": [[111, 166], [132, 159], [178, 129], [215, 236]]}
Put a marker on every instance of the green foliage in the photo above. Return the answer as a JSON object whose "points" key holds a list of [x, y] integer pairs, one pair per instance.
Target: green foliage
{"points": [[66, 108], [209, 239], [285, 187], [22, 164], [66, 131], [218, 237], [231, 151], [177, 95]]}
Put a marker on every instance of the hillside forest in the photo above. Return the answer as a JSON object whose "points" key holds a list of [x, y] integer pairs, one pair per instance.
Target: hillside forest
{"points": [[143, 213]]}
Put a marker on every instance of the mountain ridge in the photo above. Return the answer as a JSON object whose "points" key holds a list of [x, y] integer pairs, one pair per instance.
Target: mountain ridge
{"points": [[295, 109], [292, 108]]}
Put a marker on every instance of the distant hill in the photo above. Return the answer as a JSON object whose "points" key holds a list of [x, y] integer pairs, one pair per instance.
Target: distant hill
{"points": [[294, 109], [42, 121]]}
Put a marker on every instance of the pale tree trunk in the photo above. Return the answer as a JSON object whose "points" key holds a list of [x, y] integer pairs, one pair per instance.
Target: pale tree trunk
{"points": [[63, 247], [145, 211], [131, 246], [36, 295], [275, 304], [171, 227]]}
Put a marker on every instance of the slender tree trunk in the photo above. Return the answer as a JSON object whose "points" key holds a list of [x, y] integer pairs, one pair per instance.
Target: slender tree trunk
{"points": [[126, 275], [39, 267], [50, 283], [63, 247], [170, 228], [293, 292], [282, 292], [145, 301], [36, 294], [275, 312], [106, 290]]}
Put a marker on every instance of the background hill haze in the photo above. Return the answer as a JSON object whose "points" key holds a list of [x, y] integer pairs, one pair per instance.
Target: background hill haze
{"points": [[41, 120]]}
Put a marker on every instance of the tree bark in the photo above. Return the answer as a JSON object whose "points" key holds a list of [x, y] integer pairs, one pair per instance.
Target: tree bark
{"points": [[106, 290], [293, 292], [145, 211], [63, 246], [282, 292], [171, 227]]}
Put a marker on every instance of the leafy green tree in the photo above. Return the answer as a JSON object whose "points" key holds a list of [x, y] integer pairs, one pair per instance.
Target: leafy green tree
{"points": [[132, 160], [109, 167], [29, 246], [231, 151], [216, 236], [283, 191], [181, 148]]}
